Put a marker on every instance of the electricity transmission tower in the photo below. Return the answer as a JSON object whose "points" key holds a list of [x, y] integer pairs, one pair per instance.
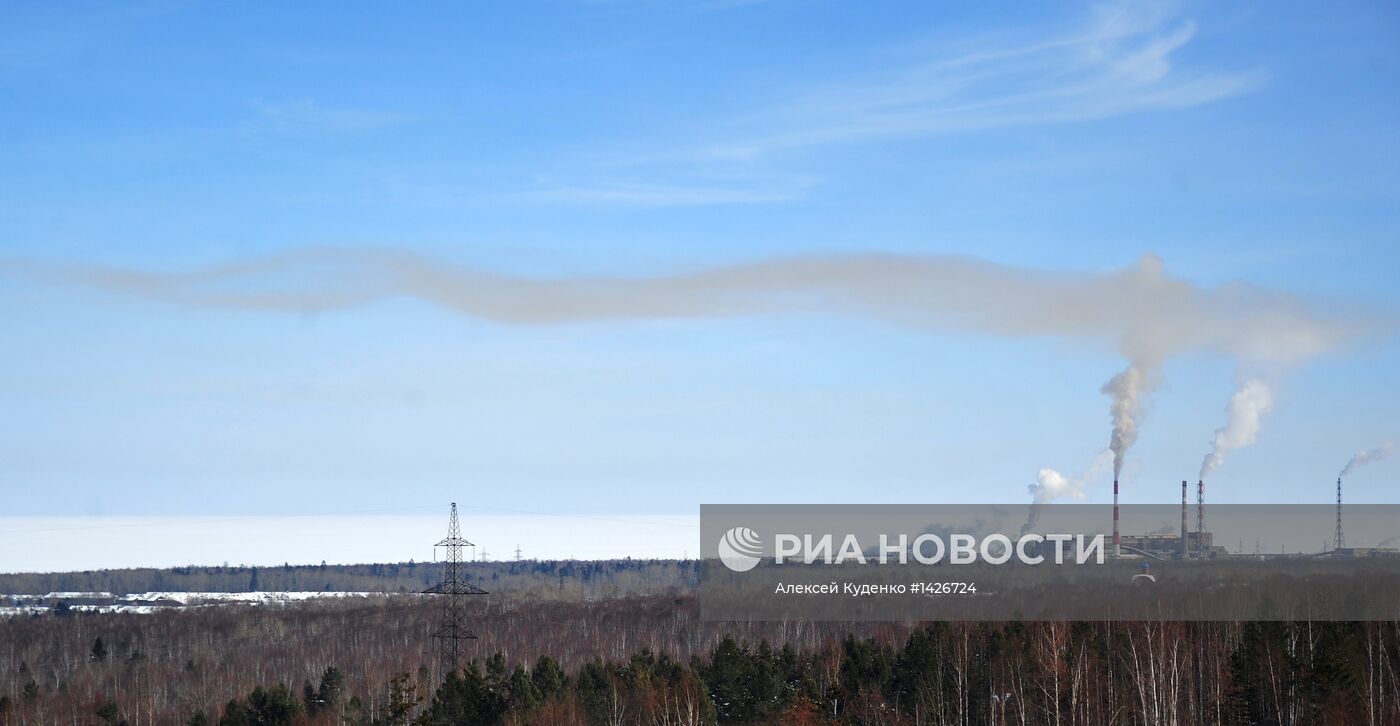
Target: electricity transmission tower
{"points": [[452, 628]]}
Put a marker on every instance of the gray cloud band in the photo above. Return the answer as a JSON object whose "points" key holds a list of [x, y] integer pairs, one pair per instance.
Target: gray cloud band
{"points": [[1143, 311]]}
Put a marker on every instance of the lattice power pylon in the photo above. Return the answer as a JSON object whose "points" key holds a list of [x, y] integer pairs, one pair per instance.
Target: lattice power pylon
{"points": [[452, 629]]}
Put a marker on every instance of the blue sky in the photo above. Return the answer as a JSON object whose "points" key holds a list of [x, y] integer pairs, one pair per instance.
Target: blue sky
{"points": [[1240, 141]]}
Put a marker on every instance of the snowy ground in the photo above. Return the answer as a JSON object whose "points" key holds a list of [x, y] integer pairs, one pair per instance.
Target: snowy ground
{"points": [[149, 602]]}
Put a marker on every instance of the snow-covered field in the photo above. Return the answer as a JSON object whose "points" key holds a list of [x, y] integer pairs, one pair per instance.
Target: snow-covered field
{"points": [[149, 602], [251, 598]]}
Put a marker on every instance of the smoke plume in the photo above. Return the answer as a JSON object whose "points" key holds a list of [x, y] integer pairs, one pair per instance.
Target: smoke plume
{"points": [[1243, 417], [1148, 315], [1128, 390], [1365, 457], [1050, 485], [1145, 313]]}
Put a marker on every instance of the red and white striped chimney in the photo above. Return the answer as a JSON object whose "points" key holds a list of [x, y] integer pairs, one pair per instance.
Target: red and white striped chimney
{"points": [[1201, 518], [1116, 551]]}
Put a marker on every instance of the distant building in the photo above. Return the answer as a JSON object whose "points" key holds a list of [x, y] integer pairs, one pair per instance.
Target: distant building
{"points": [[1155, 546], [1365, 552], [1168, 546]]}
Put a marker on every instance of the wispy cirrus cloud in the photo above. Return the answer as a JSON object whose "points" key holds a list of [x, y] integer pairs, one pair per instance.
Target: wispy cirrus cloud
{"points": [[1124, 59], [660, 195], [1123, 62], [306, 115], [695, 191]]}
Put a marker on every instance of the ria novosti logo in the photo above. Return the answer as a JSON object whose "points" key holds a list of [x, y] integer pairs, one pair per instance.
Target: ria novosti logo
{"points": [[740, 549]]}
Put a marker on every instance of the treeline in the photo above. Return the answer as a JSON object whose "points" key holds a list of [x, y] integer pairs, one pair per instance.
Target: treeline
{"points": [[570, 578], [1041, 673], [163, 666], [1330, 674]]}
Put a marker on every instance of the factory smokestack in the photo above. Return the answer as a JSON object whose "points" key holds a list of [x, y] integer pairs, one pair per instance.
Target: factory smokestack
{"points": [[1340, 540], [1117, 552], [1201, 519], [1183, 519]]}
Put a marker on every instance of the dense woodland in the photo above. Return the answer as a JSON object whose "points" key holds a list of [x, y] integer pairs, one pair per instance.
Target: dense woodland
{"points": [[649, 660], [570, 578]]}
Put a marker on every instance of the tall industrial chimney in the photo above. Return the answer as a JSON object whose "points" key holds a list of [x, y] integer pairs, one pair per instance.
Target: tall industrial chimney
{"points": [[1201, 518], [1340, 540], [1183, 519], [1116, 551]]}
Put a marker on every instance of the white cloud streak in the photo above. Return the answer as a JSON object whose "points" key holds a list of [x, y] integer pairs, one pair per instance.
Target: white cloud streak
{"points": [[648, 195], [306, 116], [1125, 60]]}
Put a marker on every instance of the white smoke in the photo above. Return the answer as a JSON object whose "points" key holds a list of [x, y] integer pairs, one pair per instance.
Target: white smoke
{"points": [[1243, 419], [1128, 390], [1050, 485], [1366, 457]]}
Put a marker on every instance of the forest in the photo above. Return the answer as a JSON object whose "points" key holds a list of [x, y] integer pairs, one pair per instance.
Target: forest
{"points": [[649, 660], [570, 579]]}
